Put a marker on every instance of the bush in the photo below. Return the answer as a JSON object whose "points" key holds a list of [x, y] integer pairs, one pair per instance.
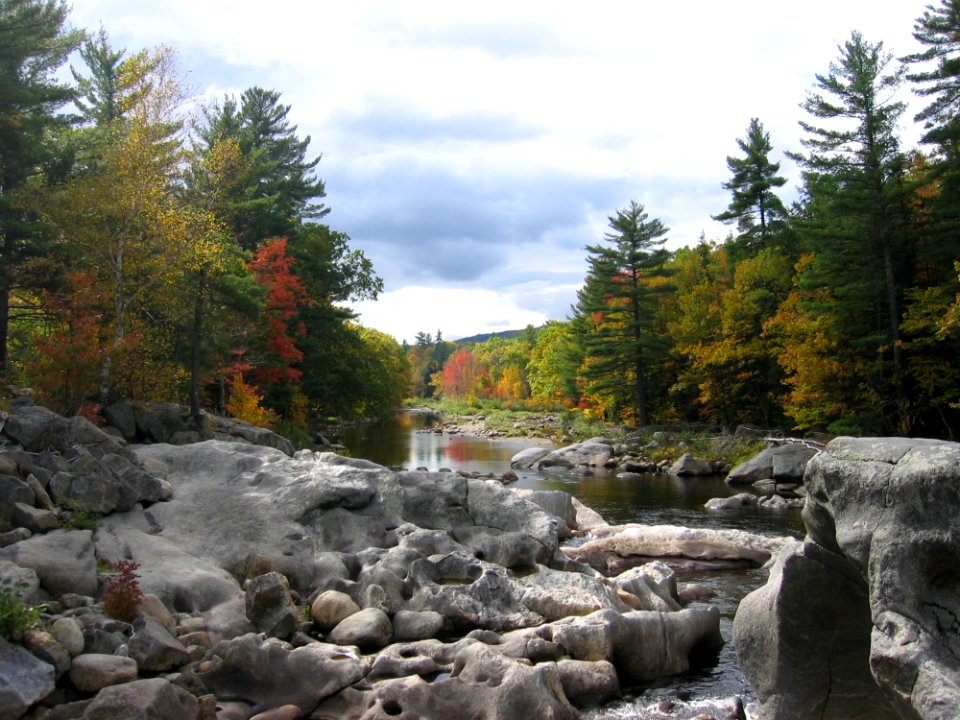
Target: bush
{"points": [[16, 617], [122, 594]]}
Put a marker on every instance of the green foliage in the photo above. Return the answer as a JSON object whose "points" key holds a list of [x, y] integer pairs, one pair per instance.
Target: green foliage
{"points": [[16, 617], [755, 207], [618, 306], [122, 594], [73, 515]]}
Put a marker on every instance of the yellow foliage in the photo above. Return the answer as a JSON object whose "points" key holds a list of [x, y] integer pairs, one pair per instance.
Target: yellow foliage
{"points": [[244, 404]]}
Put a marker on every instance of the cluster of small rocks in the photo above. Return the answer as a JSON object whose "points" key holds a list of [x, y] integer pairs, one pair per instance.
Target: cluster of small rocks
{"points": [[626, 458]]}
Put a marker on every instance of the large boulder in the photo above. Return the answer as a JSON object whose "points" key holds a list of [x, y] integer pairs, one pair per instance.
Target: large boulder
{"points": [[24, 680], [143, 700], [785, 463], [594, 452], [62, 559], [618, 547], [861, 619], [270, 607], [272, 673]]}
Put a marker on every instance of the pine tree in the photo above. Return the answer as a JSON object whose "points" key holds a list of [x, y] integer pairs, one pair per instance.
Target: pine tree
{"points": [[280, 190], [852, 217], [33, 45], [618, 302], [755, 207]]}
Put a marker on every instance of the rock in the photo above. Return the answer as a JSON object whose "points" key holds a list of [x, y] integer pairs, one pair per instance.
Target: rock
{"points": [[589, 453], [120, 415], [689, 465], [68, 633], [41, 497], [23, 581], [367, 629], [555, 594], [644, 645], [38, 430], [556, 502], [36, 520], [470, 593], [331, 607], [784, 462], [589, 684], [618, 547], [284, 712], [92, 672], [529, 457], [270, 673], [270, 607], [734, 502], [24, 680], [152, 606], [482, 684], [150, 699], [654, 584], [8, 465], [43, 645], [412, 625], [588, 519], [14, 536], [153, 647], [865, 603], [63, 560], [15, 490]]}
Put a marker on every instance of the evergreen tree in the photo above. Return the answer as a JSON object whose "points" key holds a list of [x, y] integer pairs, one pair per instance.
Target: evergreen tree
{"points": [[280, 190], [755, 207], [619, 301], [34, 43], [99, 94], [852, 219], [938, 78]]}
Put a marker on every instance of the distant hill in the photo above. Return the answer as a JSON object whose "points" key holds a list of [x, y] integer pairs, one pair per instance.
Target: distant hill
{"points": [[483, 337]]}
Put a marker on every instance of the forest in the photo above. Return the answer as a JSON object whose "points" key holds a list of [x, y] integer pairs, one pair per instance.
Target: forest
{"points": [[154, 247]]}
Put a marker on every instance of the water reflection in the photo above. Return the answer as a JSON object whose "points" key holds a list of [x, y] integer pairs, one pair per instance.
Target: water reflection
{"points": [[407, 441]]}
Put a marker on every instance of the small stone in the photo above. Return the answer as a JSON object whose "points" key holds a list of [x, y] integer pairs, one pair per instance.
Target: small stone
{"points": [[93, 672], [332, 607], [370, 629], [68, 633]]}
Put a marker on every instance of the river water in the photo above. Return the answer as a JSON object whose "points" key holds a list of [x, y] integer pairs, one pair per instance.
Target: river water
{"points": [[406, 441]]}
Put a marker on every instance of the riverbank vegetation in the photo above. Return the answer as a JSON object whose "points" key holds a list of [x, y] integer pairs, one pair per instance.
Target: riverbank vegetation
{"points": [[155, 248]]}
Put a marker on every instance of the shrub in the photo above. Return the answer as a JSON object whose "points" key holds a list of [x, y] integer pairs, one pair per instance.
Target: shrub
{"points": [[16, 617], [122, 594]]}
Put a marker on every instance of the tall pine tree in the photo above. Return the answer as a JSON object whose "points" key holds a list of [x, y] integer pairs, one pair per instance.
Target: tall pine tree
{"points": [[34, 43], [755, 207], [618, 303], [853, 215]]}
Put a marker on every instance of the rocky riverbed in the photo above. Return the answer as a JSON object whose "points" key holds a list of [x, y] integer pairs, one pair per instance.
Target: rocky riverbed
{"points": [[310, 585], [294, 585]]}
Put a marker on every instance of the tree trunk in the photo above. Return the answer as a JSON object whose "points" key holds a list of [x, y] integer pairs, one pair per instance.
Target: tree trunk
{"points": [[195, 343]]}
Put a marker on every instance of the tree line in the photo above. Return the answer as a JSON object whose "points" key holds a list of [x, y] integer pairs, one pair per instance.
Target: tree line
{"points": [[839, 313], [155, 252]]}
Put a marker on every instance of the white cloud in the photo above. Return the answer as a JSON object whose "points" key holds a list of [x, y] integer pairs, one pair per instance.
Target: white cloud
{"points": [[455, 312]]}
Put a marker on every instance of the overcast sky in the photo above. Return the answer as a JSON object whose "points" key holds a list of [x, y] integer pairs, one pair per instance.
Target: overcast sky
{"points": [[473, 150]]}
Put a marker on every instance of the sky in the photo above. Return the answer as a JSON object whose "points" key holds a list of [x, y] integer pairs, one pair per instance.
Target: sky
{"points": [[473, 150]]}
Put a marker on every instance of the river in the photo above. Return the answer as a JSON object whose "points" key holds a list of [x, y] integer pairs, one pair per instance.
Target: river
{"points": [[406, 441]]}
